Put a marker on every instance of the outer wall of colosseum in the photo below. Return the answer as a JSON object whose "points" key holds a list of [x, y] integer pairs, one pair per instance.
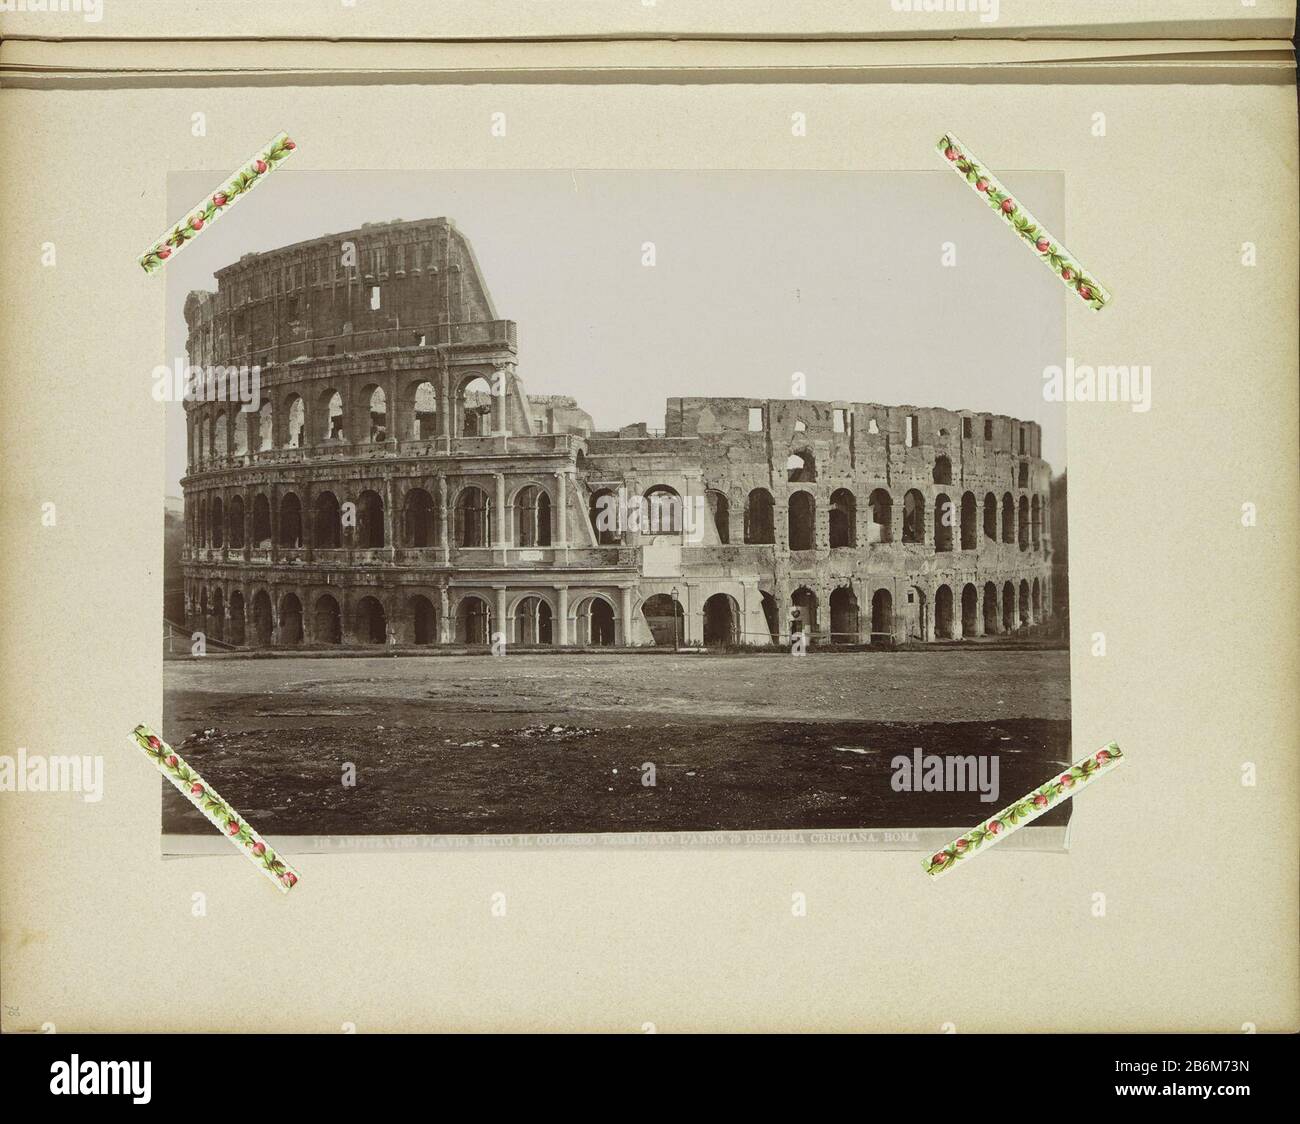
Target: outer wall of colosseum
{"points": [[395, 485]]}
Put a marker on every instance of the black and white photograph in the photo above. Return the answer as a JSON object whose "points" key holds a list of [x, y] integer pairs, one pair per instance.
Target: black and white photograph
{"points": [[588, 505]]}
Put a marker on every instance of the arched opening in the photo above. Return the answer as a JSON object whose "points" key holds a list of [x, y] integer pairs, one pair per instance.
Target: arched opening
{"points": [[424, 620], [760, 524], [1036, 521], [377, 422], [473, 621], [943, 613], [328, 627], [1038, 600], [844, 616], [239, 433], [203, 528], [236, 519], [218, 629], [969, 522], [370, 520], [1008, 518], [205, 624], [290, 619], [661, 511], [843, 519], [237, 618], [476, 407], [532, 517], [370, 624], [992, 622], [803, 618], [1008, 607], [665, 619], [720, 509], [473, 517], [882, 513], [945, 515], [218, 517], [290, 520], [424, 411], [917, 616], [991, 517], [200, 438], [882, 616], [263, 622], [220, 437], [800, 467], [329, 521], [1024, 603], [603, 510], [1023, 524], [332, 416], [265, 428], [771, 616], [261, 521], [297, 430], [970, 610], [419, 519], [532, 621], [595, 623], [942, 470], [802, 522], [913, 516], [721, 621]]}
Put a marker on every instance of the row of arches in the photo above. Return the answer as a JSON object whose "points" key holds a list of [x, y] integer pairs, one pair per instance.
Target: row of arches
{"points": [[217, 522], [225, 430]]}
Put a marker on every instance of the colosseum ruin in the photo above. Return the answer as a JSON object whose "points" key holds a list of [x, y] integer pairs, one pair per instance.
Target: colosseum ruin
{"points": [[397, 486]]}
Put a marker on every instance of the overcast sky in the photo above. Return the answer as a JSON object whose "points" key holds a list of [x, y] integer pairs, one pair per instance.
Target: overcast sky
{"points": [[758, 275]]}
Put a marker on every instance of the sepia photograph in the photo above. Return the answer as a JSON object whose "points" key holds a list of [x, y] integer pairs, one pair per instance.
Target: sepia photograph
{"points": [[586, 505]]}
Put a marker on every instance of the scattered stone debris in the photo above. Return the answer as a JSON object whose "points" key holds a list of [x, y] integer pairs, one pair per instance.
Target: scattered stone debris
{"points": [[552, 733]]}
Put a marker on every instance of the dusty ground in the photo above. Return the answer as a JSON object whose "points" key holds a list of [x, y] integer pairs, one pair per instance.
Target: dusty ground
{"points": [[532, 743]]}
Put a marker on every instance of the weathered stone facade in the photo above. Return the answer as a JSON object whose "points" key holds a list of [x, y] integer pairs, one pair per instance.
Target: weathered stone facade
{"points": [[395, 485]]}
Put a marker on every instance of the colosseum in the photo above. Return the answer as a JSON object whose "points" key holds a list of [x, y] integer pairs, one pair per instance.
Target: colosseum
{"points": [[397, 486]]}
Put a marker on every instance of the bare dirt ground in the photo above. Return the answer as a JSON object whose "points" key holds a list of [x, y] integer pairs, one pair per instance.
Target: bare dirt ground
{"points": [[533, 744]]}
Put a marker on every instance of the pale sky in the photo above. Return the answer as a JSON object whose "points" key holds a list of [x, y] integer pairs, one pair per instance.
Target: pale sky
{"points": [[759, 274]]}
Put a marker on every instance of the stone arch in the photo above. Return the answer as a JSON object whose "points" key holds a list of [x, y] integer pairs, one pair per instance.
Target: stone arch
{"points": [[216, 513], [1008, 517], [333, 423], [969, 521], [882, 616], [1023, 522], [943, 613], [844, 615], [473, 620], [805, 601], [801, 467], [424, 620], [220, 435], [290, 619], [970, 610], [369, 621], [370, 520], [296, 422], [328, 622], [843, 519], [290, 520], [235, 519], [261, 521], [419, 519], [720, 508], [992, 620], [1024, 602], [474, 403], [1036, 521], [665, 619], [532, 516], [263, 620], [376, 422], [991, 517], [1008, 607], [237, 619], [913, 516], [942, 470], [662, 511], [533, 620], [218, 629], [771, 616], [721, 621], [594, 622], [473, 517], [422, 409], [328, 521], [881, 529], [802, 520], [760, 522], [945, 515], [1037, 600], [603, 510], [917, 621]]}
